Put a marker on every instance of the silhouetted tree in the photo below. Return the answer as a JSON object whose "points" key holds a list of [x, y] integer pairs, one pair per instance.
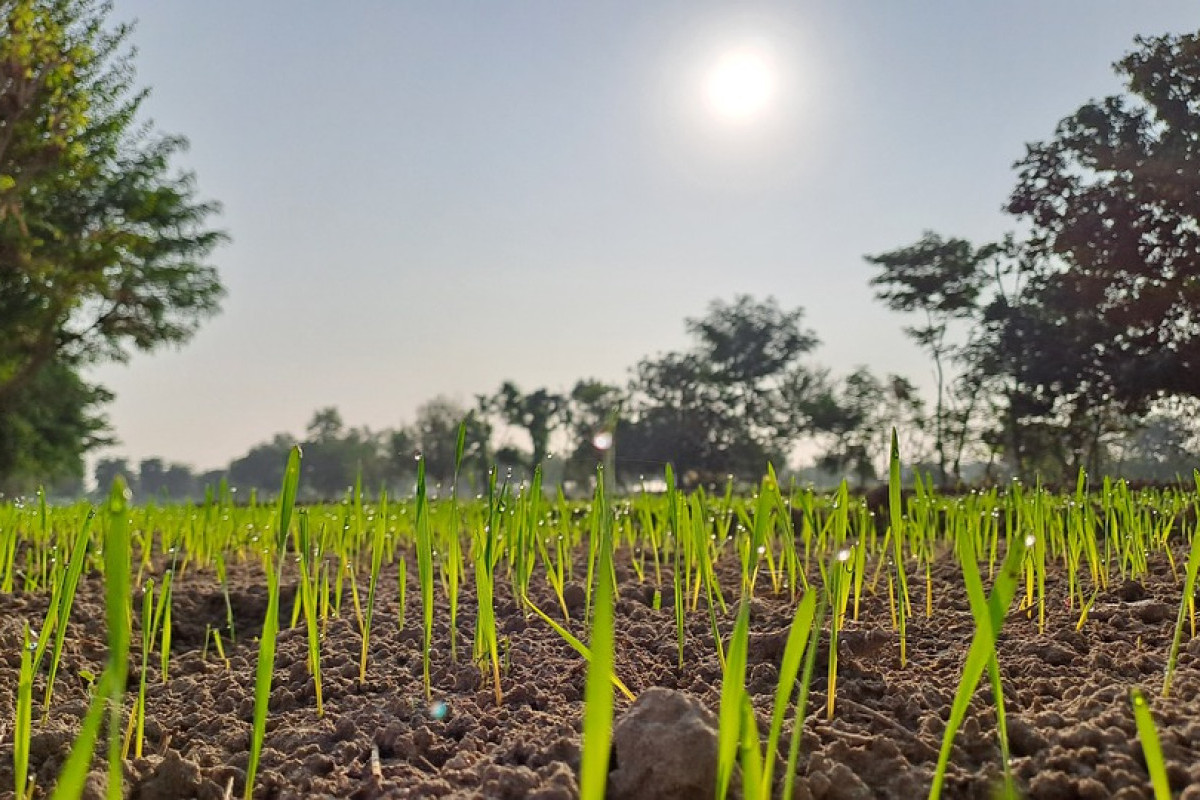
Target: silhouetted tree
{"points": [[730, 405], [538, 413]]}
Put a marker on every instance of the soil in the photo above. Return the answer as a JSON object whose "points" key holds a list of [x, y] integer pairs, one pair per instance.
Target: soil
{"points": [[1070, 723]]}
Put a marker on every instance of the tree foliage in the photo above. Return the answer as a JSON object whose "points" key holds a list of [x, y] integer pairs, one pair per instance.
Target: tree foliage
{"points": [[729, 405], [1113, 205], [102, 244]]}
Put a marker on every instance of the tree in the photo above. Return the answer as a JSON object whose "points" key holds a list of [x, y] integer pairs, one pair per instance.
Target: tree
{"points": [[730, 405], [861, 417], [262, 467], [593, 408], [1113, 206], [106, 471], [436, 436], [538, 413], [101, 244], [941, 280], [45, 425]]}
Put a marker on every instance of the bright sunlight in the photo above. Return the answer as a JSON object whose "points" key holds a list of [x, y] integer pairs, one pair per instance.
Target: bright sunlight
{"points": [[740, 85]]}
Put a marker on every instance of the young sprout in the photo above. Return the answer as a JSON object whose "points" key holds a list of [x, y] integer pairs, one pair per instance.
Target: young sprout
{"points": [[598, 690]]}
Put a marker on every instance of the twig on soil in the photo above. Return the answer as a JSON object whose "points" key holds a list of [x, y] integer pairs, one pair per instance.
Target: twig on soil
{"points": [[376, 769], [891, 724], [229, 788]]}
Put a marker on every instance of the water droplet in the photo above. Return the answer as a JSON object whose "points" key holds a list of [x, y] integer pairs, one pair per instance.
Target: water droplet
{"points": [[843, 554], [438, 710], [1030, 540]]}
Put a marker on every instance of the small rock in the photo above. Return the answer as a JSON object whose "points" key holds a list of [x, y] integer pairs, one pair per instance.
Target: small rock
{"points": [[174, 777], [1056, 655], [1151, 611], [1023, 738], [1051, 785], [575, 597], [1130, 591], [665, 748], [845, 785], [1090, 789]]}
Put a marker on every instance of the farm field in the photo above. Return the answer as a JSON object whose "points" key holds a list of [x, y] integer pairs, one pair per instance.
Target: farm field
{"points": [[1102, 601]]}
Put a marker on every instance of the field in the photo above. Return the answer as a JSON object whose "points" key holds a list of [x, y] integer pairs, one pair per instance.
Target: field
{"points": [[490, 647]]}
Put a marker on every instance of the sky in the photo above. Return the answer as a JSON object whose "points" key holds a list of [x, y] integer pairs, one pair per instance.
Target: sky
{"points": [[432, 198]]}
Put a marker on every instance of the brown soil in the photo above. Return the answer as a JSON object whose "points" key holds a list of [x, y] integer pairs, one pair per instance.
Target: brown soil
{"points": [[1071, 727]]}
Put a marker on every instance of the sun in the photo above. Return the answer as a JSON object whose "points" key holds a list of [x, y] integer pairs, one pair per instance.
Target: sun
{"points": [[740, 85]]}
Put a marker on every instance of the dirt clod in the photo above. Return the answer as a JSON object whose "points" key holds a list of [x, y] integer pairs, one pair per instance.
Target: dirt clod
{"points": [[666, 748]]}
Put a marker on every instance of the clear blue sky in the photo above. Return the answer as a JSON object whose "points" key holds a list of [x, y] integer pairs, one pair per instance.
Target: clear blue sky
{"points": [[431, 198]]}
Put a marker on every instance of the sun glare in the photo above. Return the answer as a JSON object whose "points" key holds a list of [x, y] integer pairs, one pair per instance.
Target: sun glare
{"points": [[740, 85]]}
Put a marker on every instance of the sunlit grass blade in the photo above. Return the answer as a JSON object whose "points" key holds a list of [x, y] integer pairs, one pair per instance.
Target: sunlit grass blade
{"points": [[1187, 601], [23, 722], [63, 600], [266, 641], [810, 661], [987, 628], [111, 686], [598, 690], [425, 573], [793, 652], [1151, 748], [578, 647], [895, 513], [733, 686]]}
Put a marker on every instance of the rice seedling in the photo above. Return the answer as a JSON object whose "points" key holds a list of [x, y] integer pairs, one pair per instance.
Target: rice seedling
{"points": [[23, 723], [799, 635], [424, 535], [111, 686], [989, 619], [598, 690], [308, 602], [137, 720], [1187, 604], [733, 690], [900, 600], [1151, 748], [485, 555], [266, 641], [377, 547], [61, 601], [454, 565]]}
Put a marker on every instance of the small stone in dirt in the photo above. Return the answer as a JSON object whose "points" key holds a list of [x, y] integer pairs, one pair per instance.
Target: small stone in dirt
{"points": [[95, 786], [173, 777], [1023, 738], [1051, 785], [665, 748], [833, 780], [1056, 655], [1151, 611], [1090, 789], [1130, 591], [575, 597]]}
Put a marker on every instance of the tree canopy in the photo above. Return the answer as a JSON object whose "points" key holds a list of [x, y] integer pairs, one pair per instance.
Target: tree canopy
{"points": [[102, 243]]}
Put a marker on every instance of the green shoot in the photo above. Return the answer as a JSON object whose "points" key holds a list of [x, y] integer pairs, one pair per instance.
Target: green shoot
{"points": [[733, 687], [23, 723], [793, 651], [598, 691], [425, 572], [987, 628], [266, 642], [1187, 603], [1151, 748]]}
